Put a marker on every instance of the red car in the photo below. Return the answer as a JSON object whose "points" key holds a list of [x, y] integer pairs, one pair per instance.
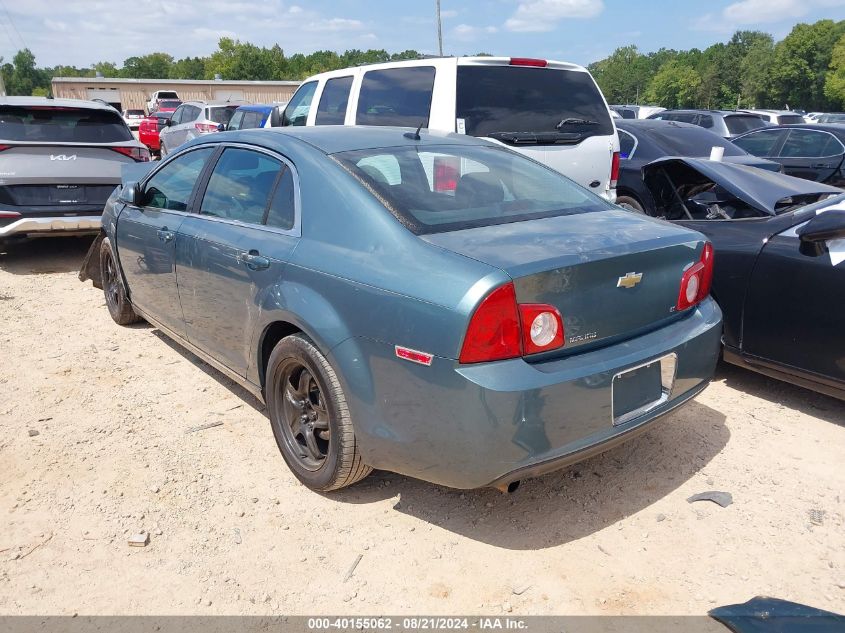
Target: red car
{"points": [[150, 127]]}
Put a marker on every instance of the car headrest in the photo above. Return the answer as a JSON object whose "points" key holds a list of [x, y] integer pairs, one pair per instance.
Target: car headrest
{"points": [[479, 189]]}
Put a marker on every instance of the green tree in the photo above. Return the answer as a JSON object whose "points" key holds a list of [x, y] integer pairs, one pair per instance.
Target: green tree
{"points": [[623, 76], [755, 73], [801, 64], [188, 68], [22, 76], [834, 85], [674, 86], [150, 66]]}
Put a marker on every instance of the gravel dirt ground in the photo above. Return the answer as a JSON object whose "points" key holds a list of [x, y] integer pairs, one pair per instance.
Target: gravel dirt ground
{"points": [[94, 448]]}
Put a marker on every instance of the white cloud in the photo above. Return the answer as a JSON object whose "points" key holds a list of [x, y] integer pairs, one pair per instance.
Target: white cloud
{"points": [[468, 33], [751, 12], [543, 15], [334, 24]]}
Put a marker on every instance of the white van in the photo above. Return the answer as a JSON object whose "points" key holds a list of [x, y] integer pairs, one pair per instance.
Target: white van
{"points": [[550, 111]]}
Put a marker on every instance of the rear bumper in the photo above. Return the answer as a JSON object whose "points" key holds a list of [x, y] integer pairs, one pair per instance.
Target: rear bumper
{"points": [[469, 426], [59, 225]]}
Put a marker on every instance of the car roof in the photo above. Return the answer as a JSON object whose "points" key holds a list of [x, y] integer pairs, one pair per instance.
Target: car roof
{"points": [[331, 139], [705, 111], [219, 102], [653, 124], [257, 107], [56, 103]]}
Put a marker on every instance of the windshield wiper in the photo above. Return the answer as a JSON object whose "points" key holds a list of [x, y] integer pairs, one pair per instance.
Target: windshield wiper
{"points": [[537, 138], [575, 121]]}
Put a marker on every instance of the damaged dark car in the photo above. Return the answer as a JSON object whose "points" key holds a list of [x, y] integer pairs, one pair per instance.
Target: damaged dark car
{"points": [[779, 264]]}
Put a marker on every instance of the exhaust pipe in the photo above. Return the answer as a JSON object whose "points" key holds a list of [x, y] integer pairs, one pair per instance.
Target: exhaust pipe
{"points": [[508, 488]]}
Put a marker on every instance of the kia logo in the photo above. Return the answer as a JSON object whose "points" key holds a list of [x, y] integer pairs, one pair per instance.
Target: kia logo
{"points": [[62, 157]]}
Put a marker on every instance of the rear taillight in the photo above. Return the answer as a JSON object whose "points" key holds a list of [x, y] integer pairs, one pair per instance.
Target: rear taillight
{"points": [[3, 148], [528, 61], [9, 214], [696, 280], [500, 328], [138, 154], [446, 173], [204, 128], [614, 170], [542, 328]]}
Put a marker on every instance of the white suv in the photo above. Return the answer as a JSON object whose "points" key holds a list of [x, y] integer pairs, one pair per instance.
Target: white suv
{"points": [[550, 111]]}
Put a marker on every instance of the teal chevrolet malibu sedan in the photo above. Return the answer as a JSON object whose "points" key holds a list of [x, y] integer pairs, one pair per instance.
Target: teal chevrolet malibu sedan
{"points": [[430, 304]]}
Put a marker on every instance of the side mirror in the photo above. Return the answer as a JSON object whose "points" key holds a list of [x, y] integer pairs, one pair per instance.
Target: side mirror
{"points": [[131, 194], [168, 122], [221, 127], [829, 225]]}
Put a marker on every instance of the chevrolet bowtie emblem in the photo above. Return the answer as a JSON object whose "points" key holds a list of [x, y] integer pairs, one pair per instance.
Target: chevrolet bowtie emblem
{"points": [[629, 280]]}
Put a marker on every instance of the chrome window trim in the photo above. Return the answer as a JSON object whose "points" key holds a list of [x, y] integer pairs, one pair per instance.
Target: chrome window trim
{"points": [[296, 229]]}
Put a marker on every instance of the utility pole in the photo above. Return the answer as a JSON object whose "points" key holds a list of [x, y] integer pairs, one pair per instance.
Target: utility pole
{"points": [[439, 31]]}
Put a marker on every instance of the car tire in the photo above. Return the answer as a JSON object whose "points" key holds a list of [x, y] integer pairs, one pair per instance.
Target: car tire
{"points": [[629, 203], [304, 397], [114, 291], [162, 150]]}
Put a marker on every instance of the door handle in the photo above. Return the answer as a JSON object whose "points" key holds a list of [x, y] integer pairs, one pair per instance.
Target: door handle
{"points": [[253, 260], [164, 235], [821, 166]]}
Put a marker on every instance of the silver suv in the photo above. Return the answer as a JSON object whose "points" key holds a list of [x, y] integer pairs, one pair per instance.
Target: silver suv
{"points": [[193, 119], [60, 160]]}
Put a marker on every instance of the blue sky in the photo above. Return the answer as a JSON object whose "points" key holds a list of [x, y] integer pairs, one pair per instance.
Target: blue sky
{"points": [[80, 32]]}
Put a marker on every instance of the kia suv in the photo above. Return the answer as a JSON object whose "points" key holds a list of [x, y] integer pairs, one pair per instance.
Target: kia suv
{"points": [[60, 160]]}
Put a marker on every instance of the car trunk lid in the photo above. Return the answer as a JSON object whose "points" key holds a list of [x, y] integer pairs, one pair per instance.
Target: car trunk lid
{"points": [[612, 274]]}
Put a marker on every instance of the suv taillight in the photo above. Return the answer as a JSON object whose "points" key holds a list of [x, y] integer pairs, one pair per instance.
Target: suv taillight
{"points": [[206, 127], [138, 154], [614, 170], [3, 148], [500, 328], [696, 280]]}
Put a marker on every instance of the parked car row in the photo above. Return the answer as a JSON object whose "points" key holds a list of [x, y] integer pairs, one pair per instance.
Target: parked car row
{"points": [[389, 235]]}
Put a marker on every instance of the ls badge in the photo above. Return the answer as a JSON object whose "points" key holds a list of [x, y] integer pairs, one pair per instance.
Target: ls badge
{"points": [[629, 280]]}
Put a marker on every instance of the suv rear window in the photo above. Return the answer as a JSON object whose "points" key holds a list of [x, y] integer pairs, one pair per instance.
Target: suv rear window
{"points": [[164, 94], [220, 114], [788, 119], [396, 96], [738, 123], [433, 189], [169, 104], [494, 99], [62, 125]]}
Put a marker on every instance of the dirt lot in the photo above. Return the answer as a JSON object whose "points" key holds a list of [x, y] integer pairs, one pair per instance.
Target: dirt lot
{"points": [[233, 532]]}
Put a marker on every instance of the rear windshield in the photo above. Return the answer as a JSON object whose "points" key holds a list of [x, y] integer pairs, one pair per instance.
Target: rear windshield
{"points": [[433, 189], [62, 125], [163, 94], [169, 104], [737, 124], [135, 113], [494, 99], [220, 114], [788, 119], [690, 141]]}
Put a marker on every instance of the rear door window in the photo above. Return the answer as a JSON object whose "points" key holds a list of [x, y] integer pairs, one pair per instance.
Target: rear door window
{"points": [[61, 125], [520, 99], [332, 108], [627, 143], [296, 112], [171, 186], [241, 186], [810, 144], [396, 96], [762, 143]]}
